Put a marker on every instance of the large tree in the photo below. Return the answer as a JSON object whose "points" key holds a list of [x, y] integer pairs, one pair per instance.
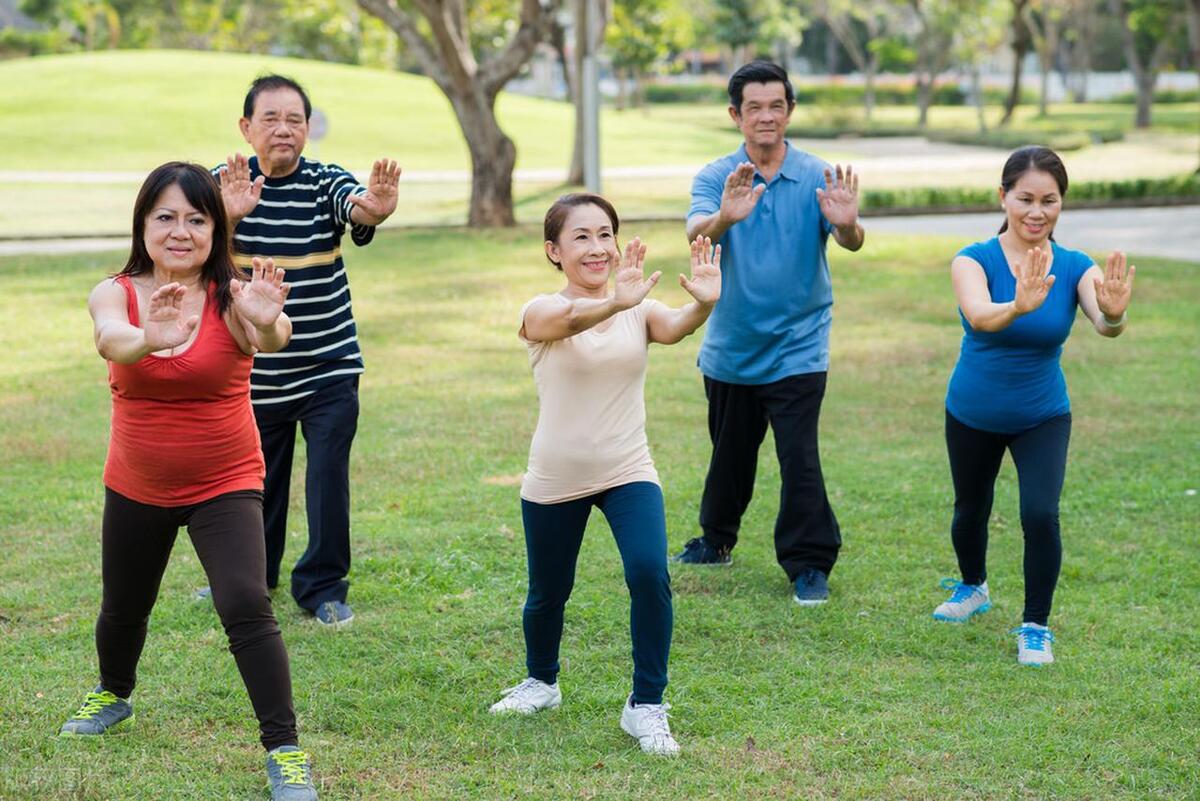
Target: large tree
{"points": [[937, 21], [859, 26], [1020, 41], [471, 74], [1148, 29]]}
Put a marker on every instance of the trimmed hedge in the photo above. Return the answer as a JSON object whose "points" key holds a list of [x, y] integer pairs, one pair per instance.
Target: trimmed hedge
{"points": [[886, 94], [1001, 138], [932, 199], [1162, 96]]}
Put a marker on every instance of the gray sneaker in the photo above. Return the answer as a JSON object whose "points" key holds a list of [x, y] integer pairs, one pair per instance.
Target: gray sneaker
{"points": [[334, 614], [101, 713], [289, 775]]}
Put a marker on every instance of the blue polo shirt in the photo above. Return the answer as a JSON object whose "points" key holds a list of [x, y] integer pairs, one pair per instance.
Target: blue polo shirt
{"points": [[773, 318], [1009, 381]]}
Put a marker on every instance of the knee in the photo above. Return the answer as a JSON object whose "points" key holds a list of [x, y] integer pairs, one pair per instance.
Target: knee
{"points": [[242, 603], [648, 578], [1039, 522]]}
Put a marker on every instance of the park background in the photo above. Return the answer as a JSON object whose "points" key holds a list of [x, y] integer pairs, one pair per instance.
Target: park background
{"points": [[863, 698]]}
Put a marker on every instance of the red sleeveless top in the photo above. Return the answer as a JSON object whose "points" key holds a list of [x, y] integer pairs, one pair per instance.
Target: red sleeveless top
{"points": [[183, 430]]}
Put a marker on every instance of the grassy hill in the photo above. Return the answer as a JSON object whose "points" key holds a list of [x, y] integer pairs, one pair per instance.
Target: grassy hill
{"points": [[131, 110]]}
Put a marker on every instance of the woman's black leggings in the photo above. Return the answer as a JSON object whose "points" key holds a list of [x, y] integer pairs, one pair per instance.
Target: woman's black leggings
{"points": [[227, 533], [1040, 455]]}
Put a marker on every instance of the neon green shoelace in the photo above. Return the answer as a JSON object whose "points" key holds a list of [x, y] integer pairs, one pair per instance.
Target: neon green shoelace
{"points": [[94, 703], [293, 765]]}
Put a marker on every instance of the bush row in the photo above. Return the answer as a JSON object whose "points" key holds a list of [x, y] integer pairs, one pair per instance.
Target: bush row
{"points": [[956, 198], [1002, 138], [887, 94]]}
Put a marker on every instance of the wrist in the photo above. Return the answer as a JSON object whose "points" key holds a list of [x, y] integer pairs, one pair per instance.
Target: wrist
{"points": [[1110, 322]]}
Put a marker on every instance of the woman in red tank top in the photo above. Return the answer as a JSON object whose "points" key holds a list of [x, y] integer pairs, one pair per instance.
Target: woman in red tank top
{"points": [[179, 328]]}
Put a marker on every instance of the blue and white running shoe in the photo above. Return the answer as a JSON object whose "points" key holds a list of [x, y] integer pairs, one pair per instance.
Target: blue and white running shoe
{"points": [[1033, 644], [965, 600]]}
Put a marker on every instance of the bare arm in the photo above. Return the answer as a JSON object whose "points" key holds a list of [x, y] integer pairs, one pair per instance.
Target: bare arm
{"points": [[1104, 296], [118, 340], [667, 326], [971, 291]]}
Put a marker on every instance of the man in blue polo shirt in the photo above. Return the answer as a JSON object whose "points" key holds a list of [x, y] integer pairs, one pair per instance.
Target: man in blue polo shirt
{"points": [[766, 348]]}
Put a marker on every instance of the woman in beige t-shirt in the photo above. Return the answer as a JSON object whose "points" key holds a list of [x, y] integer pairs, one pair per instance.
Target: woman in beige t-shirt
{"points": [[587, 346]]}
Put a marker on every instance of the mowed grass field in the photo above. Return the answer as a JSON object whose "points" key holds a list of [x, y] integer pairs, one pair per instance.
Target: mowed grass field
{"points": [[866, 697], [121, 113]]}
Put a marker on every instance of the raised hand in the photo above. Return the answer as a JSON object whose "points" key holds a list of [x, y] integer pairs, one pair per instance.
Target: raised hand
{"points": [[839, 198], [165, 327], [239, 194], [379, 201], [1114, 291], [631, 285], [1033, 281], [705, 283], [260, 300], [740, 195]]}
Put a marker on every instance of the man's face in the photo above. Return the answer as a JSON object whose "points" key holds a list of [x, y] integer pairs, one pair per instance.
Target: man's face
{"points": [[277, 130], [764, 115]]}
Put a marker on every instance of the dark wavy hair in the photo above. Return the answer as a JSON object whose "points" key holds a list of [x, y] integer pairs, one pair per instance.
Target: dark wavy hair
{"points": [[759, 71], [1032, 158], [201, 190], [556, 215]]}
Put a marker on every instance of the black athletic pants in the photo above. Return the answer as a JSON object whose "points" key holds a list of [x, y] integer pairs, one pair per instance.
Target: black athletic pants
{"points": [[328, 419], [806, 530], [226, 532], [1040, 456]]}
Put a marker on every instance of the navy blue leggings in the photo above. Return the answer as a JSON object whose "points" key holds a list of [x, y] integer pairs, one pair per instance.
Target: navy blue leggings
{"points": [[1040, 456], [553, 535]]}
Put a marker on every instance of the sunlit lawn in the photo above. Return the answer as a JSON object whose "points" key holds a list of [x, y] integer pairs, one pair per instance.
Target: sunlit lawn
{"points": [[864, 698]]}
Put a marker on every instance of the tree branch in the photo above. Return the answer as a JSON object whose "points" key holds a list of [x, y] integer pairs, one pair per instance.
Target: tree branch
{"points": [[406, 28], [499, 69]]}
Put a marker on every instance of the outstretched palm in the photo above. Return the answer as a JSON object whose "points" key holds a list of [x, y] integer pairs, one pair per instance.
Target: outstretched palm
{"points": [[631, 286], [1033, 281], [705, 283], [239, 194], [1115, 290], [260, 300], [839, 198], [165, 326], [383, 190], [740, 195]]}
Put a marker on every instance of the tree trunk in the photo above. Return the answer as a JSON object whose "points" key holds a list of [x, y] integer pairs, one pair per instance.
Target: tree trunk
{"points": [[977, 97], [924, 99], [493, 156], [1145, 81], [621, 74], [1145, 76], [1020, 47], [1193, 26]]}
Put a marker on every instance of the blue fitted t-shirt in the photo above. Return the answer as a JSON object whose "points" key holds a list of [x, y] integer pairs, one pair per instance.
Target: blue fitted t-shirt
{"points": [[1010, 381], [773, 318]]}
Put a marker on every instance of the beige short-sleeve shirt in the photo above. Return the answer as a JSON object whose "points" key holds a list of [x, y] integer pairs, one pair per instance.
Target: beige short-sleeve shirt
{"points": [[591, 429]]}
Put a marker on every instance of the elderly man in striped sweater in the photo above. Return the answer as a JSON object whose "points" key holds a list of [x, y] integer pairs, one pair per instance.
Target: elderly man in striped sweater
{"points": [[296, 211]]}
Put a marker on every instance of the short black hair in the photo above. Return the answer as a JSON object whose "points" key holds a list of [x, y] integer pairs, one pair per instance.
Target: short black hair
{"points": [[267, 83], [759, 71]]}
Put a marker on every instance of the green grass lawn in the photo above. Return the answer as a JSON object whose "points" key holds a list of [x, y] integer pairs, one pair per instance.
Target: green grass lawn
{"points": [[128, 111], [866, 697]]}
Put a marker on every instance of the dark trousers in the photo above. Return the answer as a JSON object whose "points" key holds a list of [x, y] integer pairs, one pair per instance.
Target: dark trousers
{"points": [[1040, 456], [226, 532], [328, 420], [806, 530], [553, 535]]}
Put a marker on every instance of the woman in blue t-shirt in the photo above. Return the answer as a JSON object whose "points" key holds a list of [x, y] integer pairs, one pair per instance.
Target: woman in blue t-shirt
{"points": [[1017, 295]]}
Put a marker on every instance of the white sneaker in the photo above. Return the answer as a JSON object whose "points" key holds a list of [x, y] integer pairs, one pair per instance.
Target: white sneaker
{"points": [[1033, 644], [528, 697], [965, 601], [648, 724]]}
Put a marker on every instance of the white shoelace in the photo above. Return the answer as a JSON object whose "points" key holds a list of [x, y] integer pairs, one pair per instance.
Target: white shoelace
{"points": [[521, 692]]}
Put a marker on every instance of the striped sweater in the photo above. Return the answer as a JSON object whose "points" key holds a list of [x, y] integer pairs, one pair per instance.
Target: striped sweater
{"points": [[299, 222]]}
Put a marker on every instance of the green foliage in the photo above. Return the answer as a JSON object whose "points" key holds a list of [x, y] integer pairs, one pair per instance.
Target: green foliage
{"points": [[643, 32], [984, 198], [886, 93], [16, 43], [1168, 96], [865, 698]]}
